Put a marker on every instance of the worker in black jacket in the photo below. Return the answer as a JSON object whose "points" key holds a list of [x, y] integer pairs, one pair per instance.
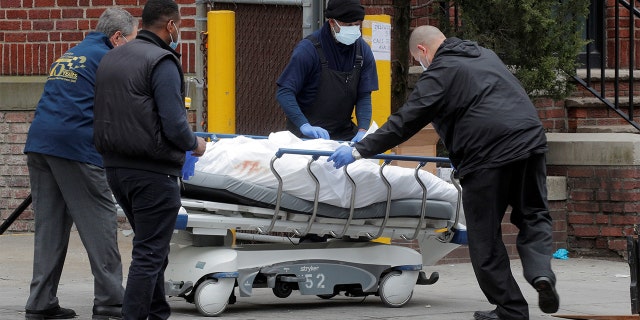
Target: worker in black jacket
{"points": [[497, 144]]}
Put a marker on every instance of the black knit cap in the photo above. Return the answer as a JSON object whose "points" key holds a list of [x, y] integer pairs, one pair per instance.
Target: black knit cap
{"points": [[344, 10]]}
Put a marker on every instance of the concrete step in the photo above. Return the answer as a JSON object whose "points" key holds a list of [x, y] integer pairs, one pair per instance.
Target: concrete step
{"points": [[593, 102], [593, 149], [609, 74], [607, 129]]}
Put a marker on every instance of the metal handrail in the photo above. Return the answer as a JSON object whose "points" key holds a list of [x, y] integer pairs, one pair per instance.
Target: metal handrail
{"points": [[586, 83], [352, 205], [423, 207], [446, 236], [316, 200]]}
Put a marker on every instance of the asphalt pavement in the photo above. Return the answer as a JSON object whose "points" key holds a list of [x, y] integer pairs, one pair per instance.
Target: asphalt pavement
{"points": [[586, 287]]}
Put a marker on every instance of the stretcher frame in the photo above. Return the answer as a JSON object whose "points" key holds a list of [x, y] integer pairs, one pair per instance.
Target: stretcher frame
{"points": [[205, 266]]}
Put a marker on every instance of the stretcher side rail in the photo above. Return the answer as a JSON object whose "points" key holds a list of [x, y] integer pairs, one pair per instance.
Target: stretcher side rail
{"points": [[445, 235], [217, 136]]}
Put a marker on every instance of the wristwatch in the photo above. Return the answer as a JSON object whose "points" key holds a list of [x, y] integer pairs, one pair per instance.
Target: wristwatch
{"points": [[356, 155]]}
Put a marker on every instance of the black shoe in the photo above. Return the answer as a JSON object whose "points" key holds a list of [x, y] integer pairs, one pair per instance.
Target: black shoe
{"points": [[548, 299], [107, 312], [485, 315], [53, 313]]}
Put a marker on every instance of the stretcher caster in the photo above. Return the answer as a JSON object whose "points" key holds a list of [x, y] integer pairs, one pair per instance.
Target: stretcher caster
{"points": [[212, 296], [396, 288], [326, 296], [282, 289], [423, 280]]}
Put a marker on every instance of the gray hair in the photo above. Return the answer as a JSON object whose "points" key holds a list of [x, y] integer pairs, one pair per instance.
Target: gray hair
{"points": [[113, 20]]}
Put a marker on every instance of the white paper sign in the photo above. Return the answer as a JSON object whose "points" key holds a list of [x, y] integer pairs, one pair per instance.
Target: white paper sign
{"points": [[381, 40]]}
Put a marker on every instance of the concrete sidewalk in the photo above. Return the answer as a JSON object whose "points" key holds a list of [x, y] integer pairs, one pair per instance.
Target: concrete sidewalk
{"points": [[586, 286]]}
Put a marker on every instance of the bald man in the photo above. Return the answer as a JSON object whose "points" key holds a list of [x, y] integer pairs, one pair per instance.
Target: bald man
{"points": [[497, 145]]}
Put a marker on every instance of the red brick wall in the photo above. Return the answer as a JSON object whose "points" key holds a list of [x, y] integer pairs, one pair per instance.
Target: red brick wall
{"points": [[552, 113], [602, 206], [624, 24], [558, 212], [14, 177], [33, 33]]}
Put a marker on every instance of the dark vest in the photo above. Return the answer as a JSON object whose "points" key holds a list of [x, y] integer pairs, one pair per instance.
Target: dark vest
{"points": [[127, 128], [335, 100]]}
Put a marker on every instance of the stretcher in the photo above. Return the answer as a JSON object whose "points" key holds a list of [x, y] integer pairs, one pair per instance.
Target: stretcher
{"points": [[278, 232]]}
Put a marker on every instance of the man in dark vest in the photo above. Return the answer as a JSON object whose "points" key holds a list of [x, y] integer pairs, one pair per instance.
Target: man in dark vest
{"points": [[330, 72], [142, 132]]}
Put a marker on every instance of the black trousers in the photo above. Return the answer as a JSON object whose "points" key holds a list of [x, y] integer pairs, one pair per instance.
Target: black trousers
{"points": [[151, 202], [486, 195]]}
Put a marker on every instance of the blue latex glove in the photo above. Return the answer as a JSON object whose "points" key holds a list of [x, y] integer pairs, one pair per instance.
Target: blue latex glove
{"points": [[314, 132], [358, 136], [341, 157], [561, 254], [189, 167]]}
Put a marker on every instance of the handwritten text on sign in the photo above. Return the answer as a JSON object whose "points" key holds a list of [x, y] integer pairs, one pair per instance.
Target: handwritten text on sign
{"points": [[381, 40]]}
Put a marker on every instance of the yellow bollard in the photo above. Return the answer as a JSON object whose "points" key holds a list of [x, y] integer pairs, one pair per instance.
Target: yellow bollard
{"points": [[221, 71], [376, 31]]}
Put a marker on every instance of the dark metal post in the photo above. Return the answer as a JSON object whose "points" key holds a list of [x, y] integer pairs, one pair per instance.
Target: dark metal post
{"points": [[632, 252], [632, 40], [616, 55], [16, 213], [603, 47]]}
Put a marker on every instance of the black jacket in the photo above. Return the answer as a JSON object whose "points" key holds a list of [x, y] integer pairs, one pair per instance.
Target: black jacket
{"points": [[129, 130], [477, 106]]}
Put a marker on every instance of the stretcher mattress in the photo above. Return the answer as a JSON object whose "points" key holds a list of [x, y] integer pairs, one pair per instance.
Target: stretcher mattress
{"points": [[223, 188], [249, 160]]}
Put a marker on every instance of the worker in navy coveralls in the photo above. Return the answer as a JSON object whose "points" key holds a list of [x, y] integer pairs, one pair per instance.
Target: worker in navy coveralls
{"points": [[68, 181], [497, 144], [330, 72]]}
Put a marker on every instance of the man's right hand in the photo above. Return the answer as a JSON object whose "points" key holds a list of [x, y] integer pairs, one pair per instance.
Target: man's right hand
{"points": [[314, 132], [342, 157]]}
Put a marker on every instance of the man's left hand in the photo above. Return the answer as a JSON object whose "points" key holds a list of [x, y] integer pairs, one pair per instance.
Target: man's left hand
{"points": [[341, 157], [201, 148]]}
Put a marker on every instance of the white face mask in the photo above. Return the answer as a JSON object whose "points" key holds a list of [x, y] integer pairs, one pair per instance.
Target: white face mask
{"points": [[348, 34], [173, 44], [424, 66]]}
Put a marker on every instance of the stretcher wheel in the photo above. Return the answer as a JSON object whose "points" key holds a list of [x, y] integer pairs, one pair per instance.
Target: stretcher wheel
{"points": [[282, 289], [396, 288], [326, 296], [212, 296]]}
